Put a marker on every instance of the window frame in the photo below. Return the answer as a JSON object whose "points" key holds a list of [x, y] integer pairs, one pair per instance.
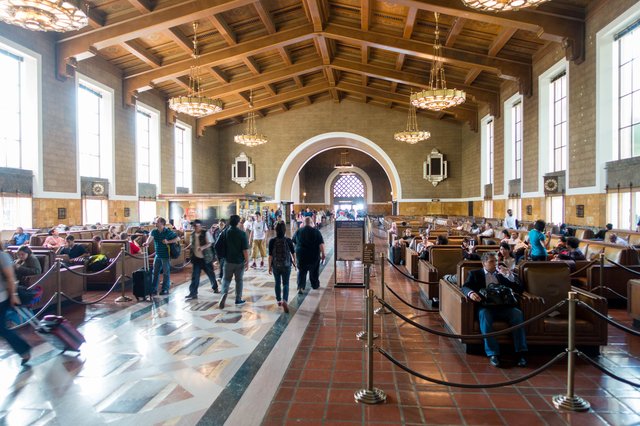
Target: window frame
{"points": [[508, 154], [621, 152], [559, 105], [154, 144], [517, 142], [187, 158]]}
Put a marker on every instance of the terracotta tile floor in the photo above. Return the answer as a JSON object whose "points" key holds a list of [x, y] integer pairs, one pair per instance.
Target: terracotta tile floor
{"points": [[329, 364]]}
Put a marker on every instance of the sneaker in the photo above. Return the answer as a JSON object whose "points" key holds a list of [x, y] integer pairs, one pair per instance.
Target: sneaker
{"points": [[164, 293], [285, 307], [494, 361], [222, 300], [253, 265], [191, 297], [522, 361], [240, 302], [215, 289], [262, 263], [279, 303], [300, 293], [25, 358]]}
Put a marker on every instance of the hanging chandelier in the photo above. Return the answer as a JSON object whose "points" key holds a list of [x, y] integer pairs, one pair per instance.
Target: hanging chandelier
{"points": [[501, 5], [45, 15], [344, 161], [437, 97], [251, 137], [194, 103], [412, 134]]}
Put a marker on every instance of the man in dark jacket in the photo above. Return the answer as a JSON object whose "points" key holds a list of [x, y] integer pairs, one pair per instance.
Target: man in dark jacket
{"points": [[236, 259], [481, 278], [309, 252]]}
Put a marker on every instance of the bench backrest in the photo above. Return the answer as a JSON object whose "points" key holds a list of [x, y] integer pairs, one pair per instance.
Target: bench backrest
{"points": [[549, 280], [445, 259]]}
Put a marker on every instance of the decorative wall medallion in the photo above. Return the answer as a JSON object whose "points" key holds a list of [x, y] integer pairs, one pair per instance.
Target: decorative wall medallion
{"points": [[242, 170], [435, 167]]}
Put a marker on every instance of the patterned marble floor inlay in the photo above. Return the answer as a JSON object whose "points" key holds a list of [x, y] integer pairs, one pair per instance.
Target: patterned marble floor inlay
{"points": [[164, 362]]}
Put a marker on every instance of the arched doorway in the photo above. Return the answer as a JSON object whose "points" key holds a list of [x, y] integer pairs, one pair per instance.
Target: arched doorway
{"points": [[320, 143], [348, 192]]}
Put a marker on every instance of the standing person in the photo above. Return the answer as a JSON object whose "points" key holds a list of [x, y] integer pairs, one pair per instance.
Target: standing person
{"points": [[256, 238], [309, 252], [9, 298], [217, 231], [185, 225], [161, 237], [236, 259], [538, 241], [510, 222], [201, 258], [281, 250]]}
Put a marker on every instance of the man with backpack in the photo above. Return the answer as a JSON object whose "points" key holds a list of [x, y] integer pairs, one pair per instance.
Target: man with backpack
{"points": [[233, 246], [161, 237], [281, 257], [309, 251], [201, 258]]}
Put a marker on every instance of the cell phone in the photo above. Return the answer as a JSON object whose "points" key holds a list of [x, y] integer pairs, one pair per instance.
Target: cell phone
{"points": [[472, 243], [502, 264]]}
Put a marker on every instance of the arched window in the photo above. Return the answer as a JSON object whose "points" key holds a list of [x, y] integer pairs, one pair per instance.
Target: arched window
{"points": [[348, 186]]}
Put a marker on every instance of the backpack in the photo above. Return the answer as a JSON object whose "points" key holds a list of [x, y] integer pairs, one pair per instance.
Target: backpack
{"points": [[174, 250], [221, 245], [281, 253], [97, 262]]}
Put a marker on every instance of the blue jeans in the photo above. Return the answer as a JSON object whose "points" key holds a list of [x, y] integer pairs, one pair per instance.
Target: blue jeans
{"points": [[198, 265], [165, 264], [230, 270], [513, 316], [221, 263], [314, 273], [282, 275], [16, 342]]}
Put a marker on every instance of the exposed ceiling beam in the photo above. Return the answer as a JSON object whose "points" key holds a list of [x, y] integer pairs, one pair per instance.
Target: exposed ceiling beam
{"points": [[313, 6], [223, 28], [365, 14], [218, 74], [79, 45], [180, 82], [96, 18], [410, 22], [136, 48], [560, 27], [454, 31], [324, 50], [261, 104], [180, 39], [502, 38], [285, 55], [298, 81], [142, 80], [265, 17], [252, 65], [142, 6], [270, 89]]}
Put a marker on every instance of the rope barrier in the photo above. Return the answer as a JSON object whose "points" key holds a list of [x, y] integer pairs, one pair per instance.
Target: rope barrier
{"points": [[604, 287], [46, 305], [609, 320], [606, 371], [623, 267], [473, 336], [78, 302], [407, 275], [113, 263], [470, 385], [575, 273], [46, 274], [417, 308]]}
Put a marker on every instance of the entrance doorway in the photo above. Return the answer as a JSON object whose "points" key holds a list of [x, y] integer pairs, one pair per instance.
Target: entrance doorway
{"points": [[349, 194]]}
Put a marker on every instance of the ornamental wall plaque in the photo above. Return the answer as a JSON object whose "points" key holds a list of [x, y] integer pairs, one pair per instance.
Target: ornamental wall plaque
{"points": [[435, 167], [242, 170]]}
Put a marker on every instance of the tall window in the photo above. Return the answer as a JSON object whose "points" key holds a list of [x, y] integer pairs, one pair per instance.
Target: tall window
{"points": [[490, 151], [555, 209], [517, 139], [147, 210], [10, 109], [89, 130], [183, 155], [148, 144], [95, 211], [629, 92], [15, 211], [623, 209], [559, 99], [348, 186], [488, 208]]}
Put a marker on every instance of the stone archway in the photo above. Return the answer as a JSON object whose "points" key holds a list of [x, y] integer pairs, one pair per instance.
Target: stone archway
{"points": [[326, 141]]}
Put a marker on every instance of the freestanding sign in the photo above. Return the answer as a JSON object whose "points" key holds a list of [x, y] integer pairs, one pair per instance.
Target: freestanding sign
{"points": [[349, 247]]}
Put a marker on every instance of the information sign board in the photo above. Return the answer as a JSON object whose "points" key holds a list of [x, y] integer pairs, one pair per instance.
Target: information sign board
{"points": [[349, 239]]}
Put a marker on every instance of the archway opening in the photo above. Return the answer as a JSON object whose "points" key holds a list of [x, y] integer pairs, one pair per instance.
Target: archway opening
{"points": [[348, 193]]}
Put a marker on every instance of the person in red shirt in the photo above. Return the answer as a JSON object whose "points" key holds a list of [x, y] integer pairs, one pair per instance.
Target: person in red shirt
{"points": [[133, 247]]}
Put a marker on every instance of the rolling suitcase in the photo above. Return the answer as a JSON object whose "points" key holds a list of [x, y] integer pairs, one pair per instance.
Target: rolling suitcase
{"points": [[56, 330], [395, 255], [142, 279]]}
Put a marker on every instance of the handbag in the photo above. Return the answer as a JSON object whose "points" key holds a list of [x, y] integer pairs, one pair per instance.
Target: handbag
{"points": [[498, 296], [174, 250]]}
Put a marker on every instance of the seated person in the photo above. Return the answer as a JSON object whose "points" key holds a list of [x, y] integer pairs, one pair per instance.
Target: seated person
{"points": [[469, 249], [481, 278], [20, 238], [475, 230], [98, 242], [615, 239], [424, 236], [505, 257], [406, 235], [488, 231], [54, 241], [422, 248], [394, 228], [26, 263], [133, 247], [75, 251], [561, 246], [442, 240], [601, 233], [571, 251], [505, 236], [113, 233]]}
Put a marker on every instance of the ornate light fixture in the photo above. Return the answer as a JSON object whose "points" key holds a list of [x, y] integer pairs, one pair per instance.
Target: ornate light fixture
{"points": [[412, 134], [501, 5], [194, 103], [45, 15], [437, 97], [344, 161], [251, 137]]}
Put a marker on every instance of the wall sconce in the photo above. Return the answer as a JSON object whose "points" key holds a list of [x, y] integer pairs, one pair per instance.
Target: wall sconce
{"points": [[304, 197]]}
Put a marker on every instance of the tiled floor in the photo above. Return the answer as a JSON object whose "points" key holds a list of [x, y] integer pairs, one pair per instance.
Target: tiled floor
{"points": [[176, 362]]}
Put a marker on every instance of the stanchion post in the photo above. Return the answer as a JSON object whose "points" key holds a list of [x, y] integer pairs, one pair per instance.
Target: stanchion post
{"points": [[362, 335], [570, 401], [601, 274], [382, 310], [370, 395], [123, 297], [59, 289]]}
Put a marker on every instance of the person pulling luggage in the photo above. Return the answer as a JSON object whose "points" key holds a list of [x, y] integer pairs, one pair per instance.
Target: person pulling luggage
{"points": [[201, 258]]}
